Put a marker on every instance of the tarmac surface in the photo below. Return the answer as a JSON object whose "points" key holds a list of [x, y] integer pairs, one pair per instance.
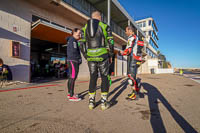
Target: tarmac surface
{"points": [[193, 75], [167, 103]]}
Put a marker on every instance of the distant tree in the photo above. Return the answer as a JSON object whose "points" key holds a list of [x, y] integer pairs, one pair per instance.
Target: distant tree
{"points": [[169, 65], [165, 64], [158, 52], [163, 60]]}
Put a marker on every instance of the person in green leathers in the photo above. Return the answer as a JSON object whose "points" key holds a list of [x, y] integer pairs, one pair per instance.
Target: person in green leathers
{"points": [[97, 46]]}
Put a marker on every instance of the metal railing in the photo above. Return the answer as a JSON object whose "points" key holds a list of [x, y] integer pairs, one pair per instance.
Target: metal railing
{"points": [[86, 8]]}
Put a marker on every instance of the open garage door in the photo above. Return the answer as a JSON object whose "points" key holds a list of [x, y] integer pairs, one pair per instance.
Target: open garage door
{"points": [[49, 32], [48, 50]]}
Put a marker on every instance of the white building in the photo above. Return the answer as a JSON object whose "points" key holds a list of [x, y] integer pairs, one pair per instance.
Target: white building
{"points": [[148, 26]]}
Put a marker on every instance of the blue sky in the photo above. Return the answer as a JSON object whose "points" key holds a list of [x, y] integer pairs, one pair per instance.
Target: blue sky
{"points": [[178, 22]]}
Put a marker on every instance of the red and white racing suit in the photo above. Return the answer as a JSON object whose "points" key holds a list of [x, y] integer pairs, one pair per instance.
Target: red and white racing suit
{"points": [[133, 51]]}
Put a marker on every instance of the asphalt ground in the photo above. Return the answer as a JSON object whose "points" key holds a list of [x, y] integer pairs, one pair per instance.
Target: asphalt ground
{"points": [[167, 103]]}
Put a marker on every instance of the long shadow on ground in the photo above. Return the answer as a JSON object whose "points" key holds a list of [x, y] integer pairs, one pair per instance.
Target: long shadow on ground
{"points": [[84, 93], [120, 89], [155, 98]]}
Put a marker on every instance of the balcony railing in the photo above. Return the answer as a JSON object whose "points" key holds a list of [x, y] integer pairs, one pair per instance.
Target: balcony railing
{"points": [[86, 8]]}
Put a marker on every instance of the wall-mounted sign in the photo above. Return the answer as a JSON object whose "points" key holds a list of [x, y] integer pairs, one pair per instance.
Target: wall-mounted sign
{"points": [[15, 49]]}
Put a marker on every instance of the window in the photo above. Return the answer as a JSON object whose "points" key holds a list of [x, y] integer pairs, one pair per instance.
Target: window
{"points": [[152, 44], [85, 7], [150, 53], [36, 18], [67, 1], [140, 25], [144, 24], [154, 37], [149, 22], [149, 33]]}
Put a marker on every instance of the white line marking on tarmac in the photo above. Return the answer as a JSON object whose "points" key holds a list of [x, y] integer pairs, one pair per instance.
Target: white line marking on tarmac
{"points": [[192, 77]]}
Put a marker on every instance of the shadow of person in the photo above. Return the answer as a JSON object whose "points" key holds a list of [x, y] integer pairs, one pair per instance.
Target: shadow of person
{"points": [[121, 88], [113, 100], [124, 84], [154, 98], [84, 93], [116, 80], [141, 95]]}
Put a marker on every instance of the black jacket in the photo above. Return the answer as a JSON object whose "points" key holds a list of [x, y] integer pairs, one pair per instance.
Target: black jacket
{"points": [[73, 51]]}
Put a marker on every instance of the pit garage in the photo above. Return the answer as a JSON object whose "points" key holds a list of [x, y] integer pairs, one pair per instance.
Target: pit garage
{"points": [[48, 49]]}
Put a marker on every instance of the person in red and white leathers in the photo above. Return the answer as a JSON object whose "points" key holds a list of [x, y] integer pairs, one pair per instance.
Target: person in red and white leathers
{"points": [[133, 52]]}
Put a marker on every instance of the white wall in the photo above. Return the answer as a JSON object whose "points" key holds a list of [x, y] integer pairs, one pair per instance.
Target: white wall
{"points": [[153, 63], [119, 65], [164, 70], [124, 65]]}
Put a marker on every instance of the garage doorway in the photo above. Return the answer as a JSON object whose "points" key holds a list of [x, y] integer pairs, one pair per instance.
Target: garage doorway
{"points": [[48, 50]]}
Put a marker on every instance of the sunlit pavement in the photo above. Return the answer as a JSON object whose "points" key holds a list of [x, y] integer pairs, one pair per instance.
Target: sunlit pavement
{"points": [[167, 103]]}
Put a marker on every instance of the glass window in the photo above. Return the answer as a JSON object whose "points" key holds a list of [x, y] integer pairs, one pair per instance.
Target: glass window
{"points": [[85, 7], [140, 25], [152, 44], [149, 22], [144, 24], [68, 1], [149, 33]]}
